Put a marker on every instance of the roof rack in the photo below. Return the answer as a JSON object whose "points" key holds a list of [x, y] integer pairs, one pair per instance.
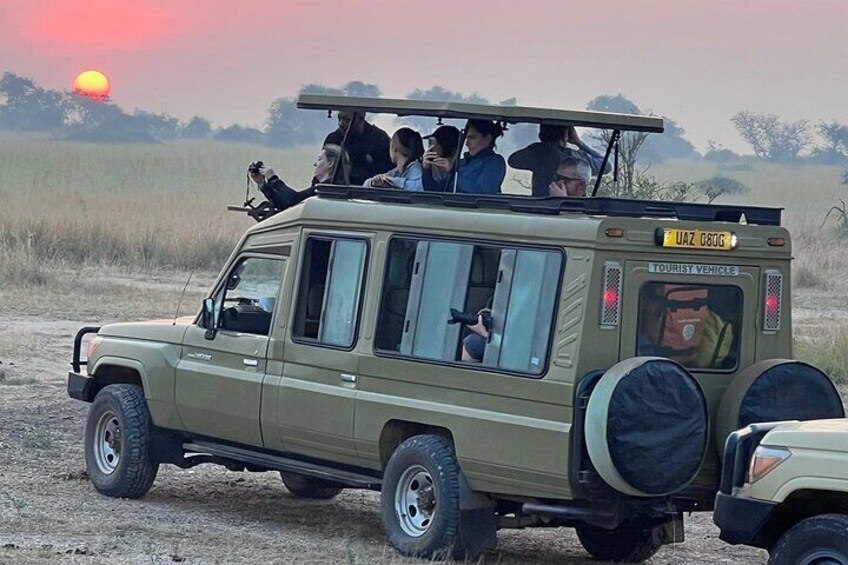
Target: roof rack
{"points": [[466, 110], [597, 206]]}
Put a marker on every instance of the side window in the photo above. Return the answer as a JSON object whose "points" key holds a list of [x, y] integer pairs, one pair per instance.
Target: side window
{"points": [[246, 302], [695, 325], [328, 298], [433, 292]]}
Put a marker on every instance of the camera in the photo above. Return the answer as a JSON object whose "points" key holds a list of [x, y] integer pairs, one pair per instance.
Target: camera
{"points": [[469, 319], [254, 167]]}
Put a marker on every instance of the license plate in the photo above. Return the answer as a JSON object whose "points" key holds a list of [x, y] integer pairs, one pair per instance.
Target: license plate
{"points": [[697, 239]]}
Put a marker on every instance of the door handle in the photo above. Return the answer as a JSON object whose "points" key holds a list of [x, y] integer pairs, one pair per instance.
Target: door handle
{"points": [[348, 378], [251, 362]]}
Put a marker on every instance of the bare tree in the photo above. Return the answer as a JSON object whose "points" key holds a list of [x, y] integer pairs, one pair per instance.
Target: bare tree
{"points": [[772, 139], [629, 144]]}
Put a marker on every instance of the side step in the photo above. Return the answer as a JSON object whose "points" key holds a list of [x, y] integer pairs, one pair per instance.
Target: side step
{"points": [[343, 477]]}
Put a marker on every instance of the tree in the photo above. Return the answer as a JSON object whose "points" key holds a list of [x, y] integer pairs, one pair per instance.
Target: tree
{"points": [[197, 128], [630, 143], [437, 94], [286, 125], [239, 134], [772, 139], [835, 149], [28, 107], [720, 185]]}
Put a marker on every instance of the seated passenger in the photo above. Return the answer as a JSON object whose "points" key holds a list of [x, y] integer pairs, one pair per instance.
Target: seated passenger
{"points": [[544, 156], [481, 170], [571, 178], [280, 196], [406, 150], [440, 159], [366, 145]]}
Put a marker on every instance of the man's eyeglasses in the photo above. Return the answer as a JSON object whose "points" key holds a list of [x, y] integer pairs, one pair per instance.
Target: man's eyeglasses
{"points": [[566, 179]]}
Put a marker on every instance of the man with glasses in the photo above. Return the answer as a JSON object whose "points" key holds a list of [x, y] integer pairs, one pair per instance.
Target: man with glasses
{"points": [[544, 156], [571, 178]]}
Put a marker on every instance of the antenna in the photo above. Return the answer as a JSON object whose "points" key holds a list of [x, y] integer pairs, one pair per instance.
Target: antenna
{"points": [[180, 301]]}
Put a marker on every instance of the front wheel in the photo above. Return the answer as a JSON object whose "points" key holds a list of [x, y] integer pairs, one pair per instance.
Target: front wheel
{"points": [[117, 443], [420, 500], [625, 544], [820, 540], [302, 486]]}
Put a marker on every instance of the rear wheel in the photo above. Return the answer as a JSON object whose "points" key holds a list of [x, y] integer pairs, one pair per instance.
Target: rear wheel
{"points": [[420, 500], [820, 540], [625, 544], [117, 443], [309, 487]]}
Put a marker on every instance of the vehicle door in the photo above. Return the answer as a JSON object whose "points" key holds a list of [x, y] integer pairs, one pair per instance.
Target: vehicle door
{"points": [[318, 386], [221, 369]]}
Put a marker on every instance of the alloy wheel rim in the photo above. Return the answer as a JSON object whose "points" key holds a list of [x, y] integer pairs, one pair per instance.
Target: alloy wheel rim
{"points": [[415, 501], [108, 443]]}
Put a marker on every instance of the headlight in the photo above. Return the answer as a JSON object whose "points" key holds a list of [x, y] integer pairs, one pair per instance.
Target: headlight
{"points": [[765, 460]]}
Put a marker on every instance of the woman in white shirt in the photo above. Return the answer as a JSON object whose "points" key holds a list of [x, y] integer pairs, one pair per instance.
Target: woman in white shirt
{"points": [[406, 149]]}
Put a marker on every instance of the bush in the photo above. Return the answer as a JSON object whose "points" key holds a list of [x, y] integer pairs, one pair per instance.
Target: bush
{"points": [[720, 185]]}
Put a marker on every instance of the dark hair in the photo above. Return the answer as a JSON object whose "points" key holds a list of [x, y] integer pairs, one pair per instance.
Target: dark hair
{"points": [[551, 134], [448, 139], [485, 127], [410, 140]]}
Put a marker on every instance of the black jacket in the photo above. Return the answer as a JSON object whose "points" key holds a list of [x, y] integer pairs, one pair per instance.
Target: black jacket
{"points": [[368, 152]]}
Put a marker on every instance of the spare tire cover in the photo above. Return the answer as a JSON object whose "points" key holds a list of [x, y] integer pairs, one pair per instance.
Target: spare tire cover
{"points": [[647, 427], [775, 390]]}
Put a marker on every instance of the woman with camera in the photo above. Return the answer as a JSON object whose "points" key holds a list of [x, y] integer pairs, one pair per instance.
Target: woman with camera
{"points": [[280, 195]]}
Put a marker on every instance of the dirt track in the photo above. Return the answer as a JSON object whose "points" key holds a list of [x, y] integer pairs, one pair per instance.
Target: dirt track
{"points": [[49, 513]]}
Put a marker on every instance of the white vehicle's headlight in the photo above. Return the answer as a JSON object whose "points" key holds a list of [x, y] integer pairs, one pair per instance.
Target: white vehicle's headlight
{"points": [[765, 460]]}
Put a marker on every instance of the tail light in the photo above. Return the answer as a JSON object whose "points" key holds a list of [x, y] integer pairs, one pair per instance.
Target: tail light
{"points": [[773, 300], [611, 298]]}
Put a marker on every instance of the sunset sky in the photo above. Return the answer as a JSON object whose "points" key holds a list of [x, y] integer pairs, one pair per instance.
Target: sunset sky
{"points": [[698, 61]]}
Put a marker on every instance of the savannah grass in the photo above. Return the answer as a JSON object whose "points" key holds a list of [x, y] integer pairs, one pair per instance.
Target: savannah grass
{"points": [[67, 207]]}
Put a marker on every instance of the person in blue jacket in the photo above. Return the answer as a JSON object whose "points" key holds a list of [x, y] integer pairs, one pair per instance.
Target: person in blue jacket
{"points": [[481, 170]]}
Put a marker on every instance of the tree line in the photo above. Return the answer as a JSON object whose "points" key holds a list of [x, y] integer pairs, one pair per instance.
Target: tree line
{"points": [[25, 106]]}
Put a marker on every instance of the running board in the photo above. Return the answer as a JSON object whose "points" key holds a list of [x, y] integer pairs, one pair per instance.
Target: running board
{"points": [[344, 478]]}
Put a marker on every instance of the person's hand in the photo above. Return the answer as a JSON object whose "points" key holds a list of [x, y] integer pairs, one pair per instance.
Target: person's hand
{"points": [[480, 328], [428, 158], [442, 163], [381, 181], [572, 137], [555, 189]]}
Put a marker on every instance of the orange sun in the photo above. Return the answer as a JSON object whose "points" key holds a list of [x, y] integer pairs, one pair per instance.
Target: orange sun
{"points": [[93, 84]]}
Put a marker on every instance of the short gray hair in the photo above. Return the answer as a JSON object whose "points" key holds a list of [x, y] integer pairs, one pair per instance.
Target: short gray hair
{"points": [[582, 167]]}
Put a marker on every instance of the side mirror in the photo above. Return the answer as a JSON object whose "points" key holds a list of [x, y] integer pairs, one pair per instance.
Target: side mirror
{"points": [[209, 317]]}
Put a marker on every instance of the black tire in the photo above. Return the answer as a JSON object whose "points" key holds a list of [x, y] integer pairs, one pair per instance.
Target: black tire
{"points": [[424, 468], [625, 544], [117, 440], [302, 486], [820, 539]]}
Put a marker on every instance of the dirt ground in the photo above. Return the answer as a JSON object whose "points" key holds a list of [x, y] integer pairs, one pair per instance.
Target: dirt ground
{"points": [[49, 512]]}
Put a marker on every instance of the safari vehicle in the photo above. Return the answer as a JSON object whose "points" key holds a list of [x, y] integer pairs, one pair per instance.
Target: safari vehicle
{"points": [[627, 340], [785, 489]]}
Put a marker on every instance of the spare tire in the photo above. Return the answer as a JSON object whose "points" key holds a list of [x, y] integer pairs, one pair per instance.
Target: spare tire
{"points": [[775, 390], [647, 427]]}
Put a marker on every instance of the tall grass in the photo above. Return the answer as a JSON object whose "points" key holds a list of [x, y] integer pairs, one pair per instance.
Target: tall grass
{"points": [[136, 207]]}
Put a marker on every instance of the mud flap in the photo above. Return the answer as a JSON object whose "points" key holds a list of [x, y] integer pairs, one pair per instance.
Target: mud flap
{"points": [[477, 521], [671, 531]]}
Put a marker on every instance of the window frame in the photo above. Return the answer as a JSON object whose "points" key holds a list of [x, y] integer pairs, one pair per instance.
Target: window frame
{"points": [[737, 328], [563, 255], [296, 294], [221, 290]]}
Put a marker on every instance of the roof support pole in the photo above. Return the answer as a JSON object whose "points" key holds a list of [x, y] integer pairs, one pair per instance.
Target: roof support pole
{"points": [[616, 134]]}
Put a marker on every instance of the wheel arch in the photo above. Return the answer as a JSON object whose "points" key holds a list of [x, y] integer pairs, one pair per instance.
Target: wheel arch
{"points": [[395, 432], [116, 370], [798, 506]]}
